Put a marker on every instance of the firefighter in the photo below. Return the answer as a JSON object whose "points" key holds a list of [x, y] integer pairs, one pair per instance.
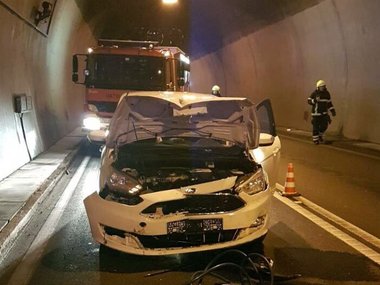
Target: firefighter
{"points": [[215, 90], [320, 101]]}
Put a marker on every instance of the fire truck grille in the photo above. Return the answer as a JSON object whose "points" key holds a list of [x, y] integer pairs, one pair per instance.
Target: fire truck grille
{"points": [[197, 204], [105, 107]]}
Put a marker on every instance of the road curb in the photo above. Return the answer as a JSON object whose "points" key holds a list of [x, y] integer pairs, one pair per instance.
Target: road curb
{"points": [[20, 220]]}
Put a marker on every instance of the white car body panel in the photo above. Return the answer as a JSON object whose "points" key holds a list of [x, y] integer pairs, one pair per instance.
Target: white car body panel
{"points": [[209, 209], [268, 156], [120, 217]]}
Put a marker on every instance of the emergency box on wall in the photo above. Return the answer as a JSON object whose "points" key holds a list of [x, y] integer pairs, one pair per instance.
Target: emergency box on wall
{"points": [[22, 103]]}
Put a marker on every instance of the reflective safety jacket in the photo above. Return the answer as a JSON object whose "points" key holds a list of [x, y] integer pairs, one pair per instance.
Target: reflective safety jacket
{"points": [[320, 102]]}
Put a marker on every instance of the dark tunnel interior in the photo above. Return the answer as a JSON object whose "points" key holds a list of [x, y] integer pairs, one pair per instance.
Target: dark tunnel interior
{"points": [[258, 49]]}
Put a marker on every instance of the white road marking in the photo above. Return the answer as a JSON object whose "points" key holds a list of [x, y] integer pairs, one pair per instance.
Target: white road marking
{"points": [[339, 221], [29, 263], [357, 245]]}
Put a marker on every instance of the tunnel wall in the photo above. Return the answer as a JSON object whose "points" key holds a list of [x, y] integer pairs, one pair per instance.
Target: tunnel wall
{"points": [[38, 65], [337, 41]]}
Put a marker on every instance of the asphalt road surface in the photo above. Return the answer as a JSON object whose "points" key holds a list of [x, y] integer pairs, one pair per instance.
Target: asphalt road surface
{"points": [[57, 247]]}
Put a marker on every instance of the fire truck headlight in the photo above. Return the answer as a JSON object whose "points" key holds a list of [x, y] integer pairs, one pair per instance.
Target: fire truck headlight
{"points": [[91, 123], [184, 58]]}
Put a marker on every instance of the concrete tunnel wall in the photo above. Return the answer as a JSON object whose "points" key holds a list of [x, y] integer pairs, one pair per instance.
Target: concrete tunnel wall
{"points": [[337, 41], [38, 65], [334, 40]]}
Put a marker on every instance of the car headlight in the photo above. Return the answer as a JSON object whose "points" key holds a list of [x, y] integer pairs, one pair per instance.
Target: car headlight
{"points": [[254, 184], [123, 185], [91, 123]]}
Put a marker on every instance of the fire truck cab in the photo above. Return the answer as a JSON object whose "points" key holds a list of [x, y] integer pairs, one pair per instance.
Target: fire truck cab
{"points": [[115, 67]]}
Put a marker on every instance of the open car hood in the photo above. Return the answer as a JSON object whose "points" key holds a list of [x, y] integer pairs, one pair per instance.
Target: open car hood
{"points": [[147, 115]]}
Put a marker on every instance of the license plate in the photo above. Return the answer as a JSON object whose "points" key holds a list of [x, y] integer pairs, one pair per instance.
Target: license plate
{"points": [[195, 226]]}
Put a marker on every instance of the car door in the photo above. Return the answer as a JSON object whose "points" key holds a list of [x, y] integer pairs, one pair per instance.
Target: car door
{"points": [[268, 152]]}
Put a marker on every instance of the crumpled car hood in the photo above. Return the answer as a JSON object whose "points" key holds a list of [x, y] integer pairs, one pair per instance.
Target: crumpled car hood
{"points": [[147, 115]]}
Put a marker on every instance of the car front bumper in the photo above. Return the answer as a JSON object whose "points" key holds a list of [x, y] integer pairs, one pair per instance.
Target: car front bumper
{"points": [[130, 228]]}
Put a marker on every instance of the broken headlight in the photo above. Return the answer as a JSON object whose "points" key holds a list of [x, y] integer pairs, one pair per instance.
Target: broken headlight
{"points": [[122, 184], [253, 184]]}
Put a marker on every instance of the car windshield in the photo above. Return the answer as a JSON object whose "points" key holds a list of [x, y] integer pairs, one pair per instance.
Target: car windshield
{"points": [[126, 72], [139, 118]]}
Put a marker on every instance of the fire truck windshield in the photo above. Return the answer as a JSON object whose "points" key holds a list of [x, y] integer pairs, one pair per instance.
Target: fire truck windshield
{"points": [[125, 72]]}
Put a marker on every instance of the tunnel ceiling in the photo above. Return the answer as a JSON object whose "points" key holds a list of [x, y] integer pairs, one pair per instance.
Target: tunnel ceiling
{"points": [[138, 20], [207, 21]]}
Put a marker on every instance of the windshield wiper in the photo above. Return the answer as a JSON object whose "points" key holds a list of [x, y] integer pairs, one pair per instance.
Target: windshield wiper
{"points": [[135, 131], [134, 128]]}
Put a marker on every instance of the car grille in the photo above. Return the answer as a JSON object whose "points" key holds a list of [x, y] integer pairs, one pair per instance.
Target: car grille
{"points": [[197, 204], [187, 240], [179, 239]]}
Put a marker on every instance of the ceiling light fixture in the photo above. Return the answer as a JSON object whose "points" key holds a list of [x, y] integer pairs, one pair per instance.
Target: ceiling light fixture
{"points": [[169, 2]]}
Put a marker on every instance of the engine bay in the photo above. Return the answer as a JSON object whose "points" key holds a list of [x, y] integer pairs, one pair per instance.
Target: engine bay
{"points": [[157, 168], [169, 178]]}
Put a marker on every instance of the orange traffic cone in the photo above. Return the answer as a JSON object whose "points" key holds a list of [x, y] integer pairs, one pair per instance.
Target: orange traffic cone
{"points": [[290, 185]]}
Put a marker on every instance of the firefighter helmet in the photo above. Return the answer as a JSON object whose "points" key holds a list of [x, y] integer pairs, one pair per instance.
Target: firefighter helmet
{"points": [[320, 83], [215, 90]]}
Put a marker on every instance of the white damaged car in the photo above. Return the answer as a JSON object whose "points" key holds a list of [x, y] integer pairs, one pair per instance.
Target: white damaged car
{"points": [[180, 173]]}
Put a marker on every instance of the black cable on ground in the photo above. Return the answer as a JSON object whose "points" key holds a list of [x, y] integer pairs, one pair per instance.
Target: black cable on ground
{"points": [[198, 276], [266, 268], [253, 268], [24, 135], [261, 266]]}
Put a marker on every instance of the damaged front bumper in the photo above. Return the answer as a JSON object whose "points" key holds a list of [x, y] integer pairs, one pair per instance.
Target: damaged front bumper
{"points": [[126, 228]]}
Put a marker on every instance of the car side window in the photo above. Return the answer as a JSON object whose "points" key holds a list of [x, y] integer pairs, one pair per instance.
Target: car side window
{"points": [[266, 118]]}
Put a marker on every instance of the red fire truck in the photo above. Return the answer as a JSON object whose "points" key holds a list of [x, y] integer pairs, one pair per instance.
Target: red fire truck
{"points": [[114, 67]]}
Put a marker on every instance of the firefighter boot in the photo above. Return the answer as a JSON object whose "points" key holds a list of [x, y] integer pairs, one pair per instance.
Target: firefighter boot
{"points": [[320, 137]]}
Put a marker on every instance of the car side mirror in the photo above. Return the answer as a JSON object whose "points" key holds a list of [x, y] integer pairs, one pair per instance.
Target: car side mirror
{"points": [[266, 139], [97, 137]]}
